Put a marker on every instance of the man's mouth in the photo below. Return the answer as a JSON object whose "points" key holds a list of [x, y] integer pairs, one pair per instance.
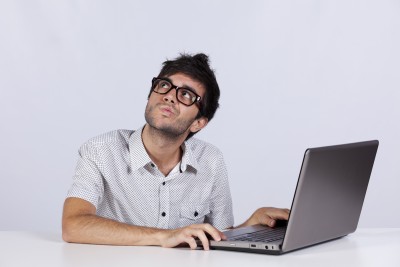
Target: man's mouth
{"points": [[167, 110]]}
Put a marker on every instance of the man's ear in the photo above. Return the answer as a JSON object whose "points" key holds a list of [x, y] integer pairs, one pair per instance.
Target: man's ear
{"points": [[198, 124]]}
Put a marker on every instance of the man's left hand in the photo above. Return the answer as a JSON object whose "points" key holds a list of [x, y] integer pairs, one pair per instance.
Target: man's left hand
{"points": [[267, 216]]}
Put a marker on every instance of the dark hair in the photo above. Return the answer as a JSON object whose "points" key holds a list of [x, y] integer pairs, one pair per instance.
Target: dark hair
{"points": [[196, 67]]}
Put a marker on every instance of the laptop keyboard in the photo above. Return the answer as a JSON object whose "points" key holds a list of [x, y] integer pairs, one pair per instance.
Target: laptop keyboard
{"points": [[265, 235]]}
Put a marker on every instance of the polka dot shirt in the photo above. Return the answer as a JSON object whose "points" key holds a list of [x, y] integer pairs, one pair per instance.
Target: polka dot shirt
{"points": [[116, 175]]}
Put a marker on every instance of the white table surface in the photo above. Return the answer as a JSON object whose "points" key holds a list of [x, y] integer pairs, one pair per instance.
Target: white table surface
{"points": [[366, 247]]}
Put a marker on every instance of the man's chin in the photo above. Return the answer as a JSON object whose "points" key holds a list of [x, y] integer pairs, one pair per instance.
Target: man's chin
{"points": [[168, 131]]}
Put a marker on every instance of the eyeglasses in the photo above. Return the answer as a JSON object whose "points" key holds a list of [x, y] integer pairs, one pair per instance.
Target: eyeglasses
{"points": [[184, 95]]}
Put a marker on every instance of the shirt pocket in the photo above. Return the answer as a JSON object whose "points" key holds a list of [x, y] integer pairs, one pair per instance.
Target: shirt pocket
{"points": [[193, 214]]}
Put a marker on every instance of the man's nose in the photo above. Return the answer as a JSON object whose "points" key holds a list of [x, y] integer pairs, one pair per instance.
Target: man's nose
{"points": [[170, 96]]}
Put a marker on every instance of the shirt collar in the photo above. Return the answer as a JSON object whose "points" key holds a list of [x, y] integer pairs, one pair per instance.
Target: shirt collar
{"points": [[140, 158], [188, 158]]}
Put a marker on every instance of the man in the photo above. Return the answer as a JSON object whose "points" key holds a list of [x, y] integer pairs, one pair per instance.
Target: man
{"points": [[158, 185]]}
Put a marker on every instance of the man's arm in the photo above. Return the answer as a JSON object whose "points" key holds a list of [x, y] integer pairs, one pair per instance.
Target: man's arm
{"points": [[80, 224], [266, 216]]}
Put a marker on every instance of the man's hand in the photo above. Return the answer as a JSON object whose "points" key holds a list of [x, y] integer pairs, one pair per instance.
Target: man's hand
{"points": [[188, 234], [267, 216]]}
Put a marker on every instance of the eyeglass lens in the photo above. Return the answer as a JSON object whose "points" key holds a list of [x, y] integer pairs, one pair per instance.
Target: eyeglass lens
{"points": [[185, 96]]}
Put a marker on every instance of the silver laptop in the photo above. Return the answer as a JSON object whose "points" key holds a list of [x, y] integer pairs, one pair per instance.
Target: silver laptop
{"points": [[327, 202]]}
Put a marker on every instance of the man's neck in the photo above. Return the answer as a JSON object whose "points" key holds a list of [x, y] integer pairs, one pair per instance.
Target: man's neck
{"points": [[163, 150]]}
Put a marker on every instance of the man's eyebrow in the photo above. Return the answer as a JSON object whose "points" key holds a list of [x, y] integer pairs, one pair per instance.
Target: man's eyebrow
{"points": [[183, 86], [188, 87]]}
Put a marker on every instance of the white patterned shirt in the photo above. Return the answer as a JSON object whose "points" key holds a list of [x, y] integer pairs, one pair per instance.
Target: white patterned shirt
{"points": [[115, 174]]}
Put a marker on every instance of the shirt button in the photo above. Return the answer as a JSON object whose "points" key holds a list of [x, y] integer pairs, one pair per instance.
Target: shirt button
{"points": [[163, 183], [163, 214], [152, 165], [196, 213]]}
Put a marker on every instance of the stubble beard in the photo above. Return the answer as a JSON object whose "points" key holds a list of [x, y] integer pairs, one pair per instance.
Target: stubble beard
{"points": [[168, 131]]}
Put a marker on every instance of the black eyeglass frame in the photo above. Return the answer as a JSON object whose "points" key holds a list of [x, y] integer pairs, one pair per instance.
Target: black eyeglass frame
{"points": [[177, 88]]}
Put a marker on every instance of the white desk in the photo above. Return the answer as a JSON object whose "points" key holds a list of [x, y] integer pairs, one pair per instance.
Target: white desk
{"points": [[366, 247]]}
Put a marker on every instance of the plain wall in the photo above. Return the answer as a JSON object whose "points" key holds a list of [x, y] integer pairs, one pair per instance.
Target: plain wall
{"points": [[293, 75]]}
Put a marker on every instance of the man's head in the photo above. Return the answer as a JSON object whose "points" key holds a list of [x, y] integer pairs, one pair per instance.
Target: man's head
{"points": [[194, 69]]}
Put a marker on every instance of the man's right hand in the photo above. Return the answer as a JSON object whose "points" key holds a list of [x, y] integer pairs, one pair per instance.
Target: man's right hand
{"points": [[188, 235]]}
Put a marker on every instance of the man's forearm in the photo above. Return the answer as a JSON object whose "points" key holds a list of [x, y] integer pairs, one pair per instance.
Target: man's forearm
{"points": [[92, 229], [80, 224]]}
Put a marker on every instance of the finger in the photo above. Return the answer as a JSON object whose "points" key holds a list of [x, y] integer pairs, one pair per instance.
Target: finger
{"points": [[214, 232], [271, 215], [203, 238], [272, 223], [267, 220], [196, 231], [280, 214], [191, 242], [275, 213], [223, 236]]}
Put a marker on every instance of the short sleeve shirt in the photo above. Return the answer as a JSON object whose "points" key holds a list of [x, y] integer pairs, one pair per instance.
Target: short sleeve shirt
{"points": [[115, 174]]}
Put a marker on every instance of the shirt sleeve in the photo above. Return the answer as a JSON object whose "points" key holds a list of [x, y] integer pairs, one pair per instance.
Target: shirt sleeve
{"points": [[88, 180], [221, 215]]}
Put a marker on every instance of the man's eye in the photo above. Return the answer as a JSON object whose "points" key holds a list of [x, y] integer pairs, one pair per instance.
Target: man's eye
{"points": [[164, 85], [187, 94]]}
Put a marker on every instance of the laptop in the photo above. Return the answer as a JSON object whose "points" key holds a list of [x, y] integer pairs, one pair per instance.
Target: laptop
{"points": [[326, 205]]}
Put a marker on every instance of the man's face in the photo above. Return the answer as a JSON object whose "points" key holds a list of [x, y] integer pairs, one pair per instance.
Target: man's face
{"points": [[167, 114]]}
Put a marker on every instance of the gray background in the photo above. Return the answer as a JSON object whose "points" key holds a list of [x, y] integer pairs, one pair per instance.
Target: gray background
{"points": [[293, 75]]}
